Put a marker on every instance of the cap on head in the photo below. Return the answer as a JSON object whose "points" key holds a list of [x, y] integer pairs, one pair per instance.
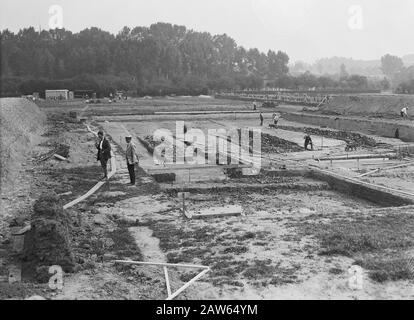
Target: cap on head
{"points": [[100, 133]]}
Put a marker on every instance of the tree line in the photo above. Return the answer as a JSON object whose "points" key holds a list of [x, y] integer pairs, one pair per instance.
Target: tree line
{"points": [[159, 59], [156, 60], [400, 76]]}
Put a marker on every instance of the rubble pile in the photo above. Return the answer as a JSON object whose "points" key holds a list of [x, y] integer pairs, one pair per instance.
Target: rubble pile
{"points": [[348, 136], [48, 241]]}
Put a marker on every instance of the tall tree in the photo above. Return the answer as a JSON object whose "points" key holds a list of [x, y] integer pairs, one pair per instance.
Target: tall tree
{"points": [[343, 73], [277, 64], [391, 65]]}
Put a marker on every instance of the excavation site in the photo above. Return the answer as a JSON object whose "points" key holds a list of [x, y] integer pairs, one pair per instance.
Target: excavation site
{"points": [[225, 206], [206, 159]]}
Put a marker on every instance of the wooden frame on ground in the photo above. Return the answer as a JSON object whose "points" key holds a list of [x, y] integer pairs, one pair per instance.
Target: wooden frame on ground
{"points": [[171, 295]]}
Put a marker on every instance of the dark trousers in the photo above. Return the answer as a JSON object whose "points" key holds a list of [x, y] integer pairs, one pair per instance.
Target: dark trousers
{"points": [[131, 170], [104, 166]]}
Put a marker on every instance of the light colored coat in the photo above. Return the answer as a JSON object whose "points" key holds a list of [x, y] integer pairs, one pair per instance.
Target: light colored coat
{"points": [[130, 153]]}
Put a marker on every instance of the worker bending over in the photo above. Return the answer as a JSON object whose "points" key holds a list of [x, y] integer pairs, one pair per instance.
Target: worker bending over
{"points": [[308, 140], [404, 113]]}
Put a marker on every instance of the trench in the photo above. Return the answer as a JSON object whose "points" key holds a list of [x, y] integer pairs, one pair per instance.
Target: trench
{"points": [[384, 128]]}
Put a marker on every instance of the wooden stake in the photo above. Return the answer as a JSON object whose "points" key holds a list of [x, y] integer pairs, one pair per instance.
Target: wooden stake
{"points": [[183, 202]]}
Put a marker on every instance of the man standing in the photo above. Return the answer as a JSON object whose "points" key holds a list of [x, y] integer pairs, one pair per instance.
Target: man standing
{"points": [[131, 158], [104, 153], [261, 119], [276, 117]]}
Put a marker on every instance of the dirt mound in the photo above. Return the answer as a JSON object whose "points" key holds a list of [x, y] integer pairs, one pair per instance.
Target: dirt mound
{"points": [[21, 124], [48, 241], [373, 105], [272, 144], [356, 139]]}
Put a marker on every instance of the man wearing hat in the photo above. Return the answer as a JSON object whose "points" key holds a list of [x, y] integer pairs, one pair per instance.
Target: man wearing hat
{"points": [[104, 152], [131, 158]]}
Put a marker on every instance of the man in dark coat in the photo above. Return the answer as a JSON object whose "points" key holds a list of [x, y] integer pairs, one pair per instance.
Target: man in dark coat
{"points": [[104, 152], [308, 140]]}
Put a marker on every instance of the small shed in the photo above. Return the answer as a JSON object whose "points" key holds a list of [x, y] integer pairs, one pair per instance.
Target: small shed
{"points": [[60, 94]]}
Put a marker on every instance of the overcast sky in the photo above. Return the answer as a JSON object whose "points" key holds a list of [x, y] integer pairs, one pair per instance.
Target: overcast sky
{"points": [[304, 29]]}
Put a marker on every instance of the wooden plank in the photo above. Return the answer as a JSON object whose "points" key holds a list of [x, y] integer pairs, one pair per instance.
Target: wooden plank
{"points": [[170, 168], [165, 265], [189, 283], [21, 231], [59, 157], [218, 212], [95, 188], [179, 265], [167, 281], [367, 183], [355, 157], [384, 169]]}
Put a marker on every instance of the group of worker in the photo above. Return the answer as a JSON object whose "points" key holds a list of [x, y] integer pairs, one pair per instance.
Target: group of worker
{"points": [[275, 117], [104, 155]]}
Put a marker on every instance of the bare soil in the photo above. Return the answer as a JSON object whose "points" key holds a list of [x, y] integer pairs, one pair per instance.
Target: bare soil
{"points": [[388, 106], [295, 242]]}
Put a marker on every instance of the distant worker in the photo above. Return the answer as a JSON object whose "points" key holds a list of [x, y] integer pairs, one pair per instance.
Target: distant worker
{"points": [[308, 140], [261, 119], [131, 158], [104, 153], [254, 105], [276, 117], [404, 112]]}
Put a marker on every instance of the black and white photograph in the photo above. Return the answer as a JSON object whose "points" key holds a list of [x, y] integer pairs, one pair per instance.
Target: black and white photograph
{"points": [[206, 156]]}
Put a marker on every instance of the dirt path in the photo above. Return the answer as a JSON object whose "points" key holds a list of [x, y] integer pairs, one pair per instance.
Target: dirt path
{"points": [[123, 205], [149, 246]]}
